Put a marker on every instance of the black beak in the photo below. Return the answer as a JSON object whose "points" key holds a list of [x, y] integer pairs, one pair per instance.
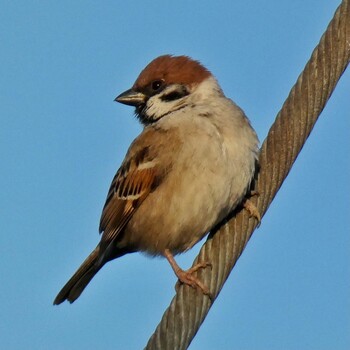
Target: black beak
{"points": [[131, 98]]}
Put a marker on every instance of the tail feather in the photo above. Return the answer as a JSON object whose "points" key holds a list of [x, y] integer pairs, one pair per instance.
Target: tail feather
{"points": [[77, 283]]}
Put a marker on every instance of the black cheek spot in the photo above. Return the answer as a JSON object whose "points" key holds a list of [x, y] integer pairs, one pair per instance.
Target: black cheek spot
{"points": [[174, 95]]}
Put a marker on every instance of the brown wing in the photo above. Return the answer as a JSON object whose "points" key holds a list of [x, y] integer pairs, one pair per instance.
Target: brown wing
{"points": [[130, 186]]}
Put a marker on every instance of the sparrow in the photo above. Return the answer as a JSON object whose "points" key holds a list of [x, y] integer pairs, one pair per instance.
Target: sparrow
{"points": [[190, 167]]}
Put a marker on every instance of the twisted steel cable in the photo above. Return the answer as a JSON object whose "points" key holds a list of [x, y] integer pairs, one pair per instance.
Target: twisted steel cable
{"points": [[280, 149]]}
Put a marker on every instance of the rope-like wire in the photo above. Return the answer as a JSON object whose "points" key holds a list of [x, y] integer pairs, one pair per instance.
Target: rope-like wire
{"points": [[285, 140]]}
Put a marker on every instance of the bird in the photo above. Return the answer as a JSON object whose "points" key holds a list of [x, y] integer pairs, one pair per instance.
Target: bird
{"points": [[191, 166]]}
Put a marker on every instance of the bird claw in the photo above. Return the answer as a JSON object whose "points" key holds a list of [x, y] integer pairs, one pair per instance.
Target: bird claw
{"points": [[187, 277], [251, 208]]}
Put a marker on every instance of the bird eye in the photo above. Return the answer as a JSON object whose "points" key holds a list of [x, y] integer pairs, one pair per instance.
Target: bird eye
{"points": [[157, 84]]}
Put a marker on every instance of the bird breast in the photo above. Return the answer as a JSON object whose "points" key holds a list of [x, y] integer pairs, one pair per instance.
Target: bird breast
{"points": [[210, 171]]}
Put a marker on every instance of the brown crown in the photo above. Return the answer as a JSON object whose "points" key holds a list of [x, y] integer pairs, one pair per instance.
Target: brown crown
{"points": [[172, 69]]}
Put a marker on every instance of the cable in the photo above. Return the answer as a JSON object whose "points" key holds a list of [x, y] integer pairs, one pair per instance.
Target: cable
{"points": [[285, 140]]}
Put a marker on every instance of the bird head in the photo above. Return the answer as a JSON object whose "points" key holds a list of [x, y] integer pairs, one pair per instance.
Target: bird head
{"points": [[165, 85]]}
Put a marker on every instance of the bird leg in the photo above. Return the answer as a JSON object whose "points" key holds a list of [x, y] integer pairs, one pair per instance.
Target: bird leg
{"points": [[187, 277]]}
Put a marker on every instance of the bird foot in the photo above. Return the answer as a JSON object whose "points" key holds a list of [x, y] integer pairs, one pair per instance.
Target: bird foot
{"points": [[187, 276], [251, 207]]}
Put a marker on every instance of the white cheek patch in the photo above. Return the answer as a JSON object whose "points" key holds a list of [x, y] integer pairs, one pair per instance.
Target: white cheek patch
{"points": [[157, 107]]}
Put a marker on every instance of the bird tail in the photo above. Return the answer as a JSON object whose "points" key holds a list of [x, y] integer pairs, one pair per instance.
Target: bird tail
{"points": [[77, 283]]}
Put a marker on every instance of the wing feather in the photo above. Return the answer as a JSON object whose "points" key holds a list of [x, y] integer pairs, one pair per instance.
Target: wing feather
{"points": [[133, 182]]}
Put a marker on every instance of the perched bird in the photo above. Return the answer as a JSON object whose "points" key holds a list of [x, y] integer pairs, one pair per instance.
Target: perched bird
{"points": [[190, 167]]}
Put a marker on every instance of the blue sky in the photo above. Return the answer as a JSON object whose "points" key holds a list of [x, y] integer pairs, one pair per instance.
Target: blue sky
{"points": [[62, 138]]}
